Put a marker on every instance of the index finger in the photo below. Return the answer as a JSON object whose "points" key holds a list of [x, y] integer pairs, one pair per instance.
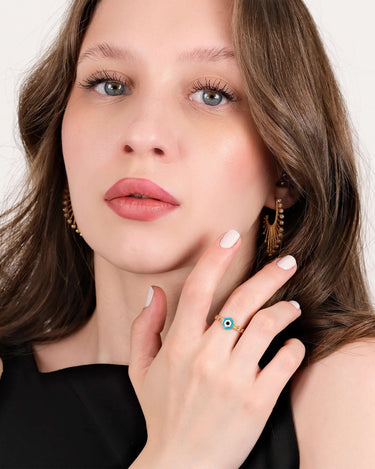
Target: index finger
{"points": [[200, 287]]}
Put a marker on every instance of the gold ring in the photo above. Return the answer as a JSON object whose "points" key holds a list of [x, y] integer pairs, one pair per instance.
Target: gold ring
{"points": [[228, 323]]}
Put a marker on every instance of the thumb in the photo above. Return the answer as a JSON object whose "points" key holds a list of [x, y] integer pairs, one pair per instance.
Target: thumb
{"points": [[145, 340]]}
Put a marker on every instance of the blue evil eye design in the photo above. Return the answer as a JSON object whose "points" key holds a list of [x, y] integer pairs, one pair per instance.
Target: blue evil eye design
{"points": [[228, 323]]}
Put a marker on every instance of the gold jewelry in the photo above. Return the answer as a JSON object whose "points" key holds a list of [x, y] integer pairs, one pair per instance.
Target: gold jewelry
{"points": [[274, 233], [284, 181], [228, 323], [68, 211]]}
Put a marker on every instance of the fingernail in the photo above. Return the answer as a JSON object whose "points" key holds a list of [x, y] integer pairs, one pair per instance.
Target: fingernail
{"points": [[150, 295], [287, 262], [229, 239], [295, 304]]}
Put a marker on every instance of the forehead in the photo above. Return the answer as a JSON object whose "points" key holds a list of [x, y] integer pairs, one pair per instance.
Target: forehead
{"points": [[162, 25]]}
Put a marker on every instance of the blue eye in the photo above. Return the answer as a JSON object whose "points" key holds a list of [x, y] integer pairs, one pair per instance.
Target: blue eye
{"points": [[211, 98], [213, 94], [210, 94], [106, 84], [110, 88]]}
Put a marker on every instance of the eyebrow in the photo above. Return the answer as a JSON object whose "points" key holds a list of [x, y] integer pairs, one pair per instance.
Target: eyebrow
{"points": [[199, 54]]}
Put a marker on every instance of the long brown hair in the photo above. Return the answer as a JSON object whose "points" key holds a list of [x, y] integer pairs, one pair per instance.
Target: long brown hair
{"points": [[47, 283]]}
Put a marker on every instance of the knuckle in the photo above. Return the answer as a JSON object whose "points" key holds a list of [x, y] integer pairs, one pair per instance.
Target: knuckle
{"points": [[289, 359], [194, 289], [203, 369], [264, 323], [275, 275], [235, 301], [254, 404]]}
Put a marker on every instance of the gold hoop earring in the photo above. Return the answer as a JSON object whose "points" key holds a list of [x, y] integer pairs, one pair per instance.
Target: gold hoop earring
{"points": [[68, 211], [274, 233]]}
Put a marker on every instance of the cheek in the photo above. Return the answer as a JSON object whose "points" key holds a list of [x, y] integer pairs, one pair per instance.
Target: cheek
{"points": [[241, 173], [248, 160], [84, 144], [74, 137]]}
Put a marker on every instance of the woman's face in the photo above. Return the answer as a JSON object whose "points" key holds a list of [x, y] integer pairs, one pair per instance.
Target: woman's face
{"points": [[158, 96]]}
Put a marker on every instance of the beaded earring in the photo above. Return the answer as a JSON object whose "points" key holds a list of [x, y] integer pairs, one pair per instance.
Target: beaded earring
{"points": [[274, 232], [68, 211]]}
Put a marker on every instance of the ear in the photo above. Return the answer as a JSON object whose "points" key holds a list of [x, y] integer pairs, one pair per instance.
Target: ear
{"points": [[284, 190]]}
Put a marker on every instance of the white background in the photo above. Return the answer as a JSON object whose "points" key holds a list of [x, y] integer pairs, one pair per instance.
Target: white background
{"points": [[26, 28]]}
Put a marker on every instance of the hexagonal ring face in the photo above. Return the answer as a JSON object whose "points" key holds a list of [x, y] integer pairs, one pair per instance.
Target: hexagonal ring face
{"points": [[228, 323]]}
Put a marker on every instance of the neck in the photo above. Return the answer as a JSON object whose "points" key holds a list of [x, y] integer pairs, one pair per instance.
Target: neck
{"points": [[120, 297]]}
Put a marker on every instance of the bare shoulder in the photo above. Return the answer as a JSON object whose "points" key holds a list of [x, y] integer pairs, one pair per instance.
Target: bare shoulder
{"points": [[333, 402], [1, 367]]}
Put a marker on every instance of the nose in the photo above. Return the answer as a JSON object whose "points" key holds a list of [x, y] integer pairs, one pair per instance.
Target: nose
{"points": [[149, 130]]}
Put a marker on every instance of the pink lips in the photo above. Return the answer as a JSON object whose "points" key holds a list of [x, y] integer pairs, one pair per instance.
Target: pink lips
{"points": [[158, 203]]}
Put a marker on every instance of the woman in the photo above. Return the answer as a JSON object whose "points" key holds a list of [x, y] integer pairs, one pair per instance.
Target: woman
{"points": [[225, 119]]}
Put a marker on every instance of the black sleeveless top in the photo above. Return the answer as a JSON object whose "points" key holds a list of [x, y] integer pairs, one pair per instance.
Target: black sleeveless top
{"points": [[89, 417]]}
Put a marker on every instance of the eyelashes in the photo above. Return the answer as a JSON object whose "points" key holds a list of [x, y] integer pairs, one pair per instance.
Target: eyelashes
{"points": [[215, 87], [115, 85], [102, 77]]}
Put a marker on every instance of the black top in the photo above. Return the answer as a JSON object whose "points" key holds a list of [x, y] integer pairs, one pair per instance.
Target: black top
{"points": [[89, 417]]}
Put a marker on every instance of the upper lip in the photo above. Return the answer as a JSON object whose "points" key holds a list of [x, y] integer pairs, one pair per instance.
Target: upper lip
{"points": [[129, 186]]}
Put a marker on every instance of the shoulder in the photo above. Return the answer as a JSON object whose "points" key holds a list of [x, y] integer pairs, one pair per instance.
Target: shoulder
{"points": [[333, 402]]}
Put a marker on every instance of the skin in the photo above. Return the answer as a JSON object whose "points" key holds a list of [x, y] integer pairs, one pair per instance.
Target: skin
{"points": [[212, 160]]}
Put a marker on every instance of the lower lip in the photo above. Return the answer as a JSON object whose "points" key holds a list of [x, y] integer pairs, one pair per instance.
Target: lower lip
{"points": [[140, 209]]}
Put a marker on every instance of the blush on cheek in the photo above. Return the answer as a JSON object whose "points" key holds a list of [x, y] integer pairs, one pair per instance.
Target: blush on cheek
{"points": [[249, 165]]}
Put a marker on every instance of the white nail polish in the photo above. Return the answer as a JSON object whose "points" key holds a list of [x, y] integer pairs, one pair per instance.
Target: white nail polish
{"points": [[295, 304], [150, 295], [287, 262], [229, 239]]}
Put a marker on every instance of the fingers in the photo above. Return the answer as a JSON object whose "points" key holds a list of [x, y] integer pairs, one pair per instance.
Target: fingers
{"points": [[249, 297], [145, 334], [200, 286], [258, 335], [273, 378]]}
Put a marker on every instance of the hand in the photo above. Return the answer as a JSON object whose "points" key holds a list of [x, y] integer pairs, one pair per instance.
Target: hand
{"points": [[203, 395]]}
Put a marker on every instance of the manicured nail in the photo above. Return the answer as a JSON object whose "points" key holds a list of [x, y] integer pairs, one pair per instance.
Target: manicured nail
{"points": [[229, 239], [150, 295], [287, 262], [295, 304]]}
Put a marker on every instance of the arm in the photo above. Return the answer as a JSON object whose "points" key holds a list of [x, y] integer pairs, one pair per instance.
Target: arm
{"points": [[334, 409]]}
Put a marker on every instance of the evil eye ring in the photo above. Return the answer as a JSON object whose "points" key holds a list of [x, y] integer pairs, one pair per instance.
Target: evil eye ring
{"points": [[228, 323]]}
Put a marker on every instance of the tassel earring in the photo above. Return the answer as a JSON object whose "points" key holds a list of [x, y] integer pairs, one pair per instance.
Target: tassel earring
{"points": [[274, 233], [68, 211]]}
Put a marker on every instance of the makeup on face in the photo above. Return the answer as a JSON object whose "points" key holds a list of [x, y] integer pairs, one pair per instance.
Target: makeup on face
{"points": [[139, 199], [160, 107]]}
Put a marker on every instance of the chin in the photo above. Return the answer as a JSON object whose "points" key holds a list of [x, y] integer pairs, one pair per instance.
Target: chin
{"points": [[143, 260], [152, 256]]}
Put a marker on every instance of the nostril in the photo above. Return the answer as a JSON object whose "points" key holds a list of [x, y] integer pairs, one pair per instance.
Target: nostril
{"points": [[128, 149]]}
